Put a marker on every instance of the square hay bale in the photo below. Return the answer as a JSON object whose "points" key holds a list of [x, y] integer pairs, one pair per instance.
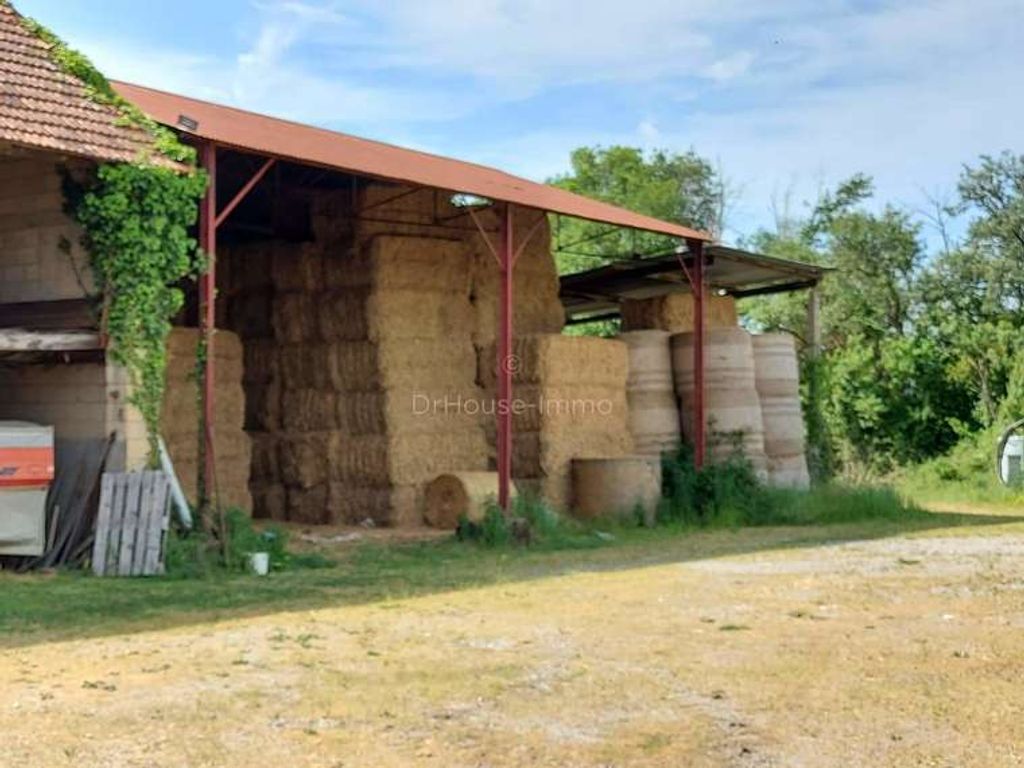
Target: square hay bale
{"points": [[297, 267], [249, 314], [405, 313], [294, 317], [304, 459], [269, 502], [309, 505], [674, 312], [359, 459], [305, 366], [263, 407], [308, 410], [261, 361], [265, 467], [352, 365], [341, 315], [419, 458]]}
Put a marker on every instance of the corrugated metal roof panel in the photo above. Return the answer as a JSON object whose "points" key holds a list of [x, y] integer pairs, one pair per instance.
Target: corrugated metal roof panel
{"points": [[316, 146]]}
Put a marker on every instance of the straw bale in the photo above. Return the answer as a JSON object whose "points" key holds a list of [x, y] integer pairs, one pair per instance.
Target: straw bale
{"points": [[359, 459], [416, 314], [438, 363], [557, 359], [305, 366], [386, 506], [249, 313], [304, 459], [342, 315], [297, 267], [674, 312], [343, 269], [294, 317], [352, 365], [261, 358], [309, 505], [308, 410], [243, 268], [265, 467], [269, 502], [450, 497], [263, 406], [331, 217], [361, 413], [420, 263], [419, 457], [414, 410], [352, 504]]}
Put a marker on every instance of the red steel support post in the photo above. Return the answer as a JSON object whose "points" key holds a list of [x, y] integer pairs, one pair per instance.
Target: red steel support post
{"points": [[696, 249], [506, 362], [207, 305]]}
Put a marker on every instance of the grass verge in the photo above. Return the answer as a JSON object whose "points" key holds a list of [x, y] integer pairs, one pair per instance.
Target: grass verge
{"points": [[36, 608]]}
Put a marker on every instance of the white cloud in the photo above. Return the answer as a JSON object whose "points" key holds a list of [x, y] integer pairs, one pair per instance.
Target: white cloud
{"points": [[804, 90]]}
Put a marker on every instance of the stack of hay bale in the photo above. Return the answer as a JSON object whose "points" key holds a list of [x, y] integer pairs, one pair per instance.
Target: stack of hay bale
{"points": [[406, 390], [777, 378], [180, 419], [569, 402]]}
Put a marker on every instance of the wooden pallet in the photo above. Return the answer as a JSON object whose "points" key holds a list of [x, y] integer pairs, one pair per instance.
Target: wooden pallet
{"points": [[131, 527]]}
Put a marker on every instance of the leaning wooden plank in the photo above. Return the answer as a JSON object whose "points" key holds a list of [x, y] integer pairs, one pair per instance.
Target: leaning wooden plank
{"points": [[146, 501], [155, 532], [129, 524], [116, 523], [99, 547]]}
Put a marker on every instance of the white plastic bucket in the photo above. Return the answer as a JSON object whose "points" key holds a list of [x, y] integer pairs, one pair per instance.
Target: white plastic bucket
{"points": [[259, 563]]}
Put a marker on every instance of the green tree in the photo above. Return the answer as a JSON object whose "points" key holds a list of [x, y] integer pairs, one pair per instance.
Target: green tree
{"points": [[682, 188]]}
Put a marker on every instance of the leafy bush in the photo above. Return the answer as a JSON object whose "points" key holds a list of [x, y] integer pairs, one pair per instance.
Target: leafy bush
{"points": [[529, 521], [719, 493], [728, 493]]}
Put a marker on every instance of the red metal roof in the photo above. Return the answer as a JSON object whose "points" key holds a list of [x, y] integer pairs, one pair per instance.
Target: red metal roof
{"points": [[306, 144], [43, 107]]}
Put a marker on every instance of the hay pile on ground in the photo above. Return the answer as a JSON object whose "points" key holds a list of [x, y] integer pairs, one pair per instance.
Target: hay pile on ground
{"points": [[674, 312], [569, 401], [180, 420]]}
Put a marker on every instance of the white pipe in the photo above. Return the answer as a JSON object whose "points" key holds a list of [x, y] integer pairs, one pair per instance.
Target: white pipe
{"points": [[184, 511]]}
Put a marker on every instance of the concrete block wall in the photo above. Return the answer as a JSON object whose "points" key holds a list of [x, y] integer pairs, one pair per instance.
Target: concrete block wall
{"points": [[33, 266], [82, 401]]}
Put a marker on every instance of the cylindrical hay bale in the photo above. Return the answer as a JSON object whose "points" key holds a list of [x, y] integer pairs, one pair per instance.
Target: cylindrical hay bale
{"points": [[653, 414], [776, 370], [777, 379], [451, 496], [731, 405], [616, 486]]}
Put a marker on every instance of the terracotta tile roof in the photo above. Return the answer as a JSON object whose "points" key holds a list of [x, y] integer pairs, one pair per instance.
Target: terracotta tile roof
{"points": [[42, 107]]}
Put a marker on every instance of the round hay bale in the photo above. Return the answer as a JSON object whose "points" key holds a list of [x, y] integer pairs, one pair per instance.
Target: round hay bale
{"points": [[732, 406], [653, 413], [617, 486], [450, 496]]}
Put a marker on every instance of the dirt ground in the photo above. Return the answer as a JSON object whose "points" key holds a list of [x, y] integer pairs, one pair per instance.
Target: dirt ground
{"points": [[905, 651]]}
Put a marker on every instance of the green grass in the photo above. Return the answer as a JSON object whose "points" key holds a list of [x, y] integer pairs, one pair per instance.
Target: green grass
{"points": [[55, 606], [966, 475]]}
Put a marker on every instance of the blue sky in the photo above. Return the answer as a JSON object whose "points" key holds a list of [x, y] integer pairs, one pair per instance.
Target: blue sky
{"points": [[786, 96]]}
